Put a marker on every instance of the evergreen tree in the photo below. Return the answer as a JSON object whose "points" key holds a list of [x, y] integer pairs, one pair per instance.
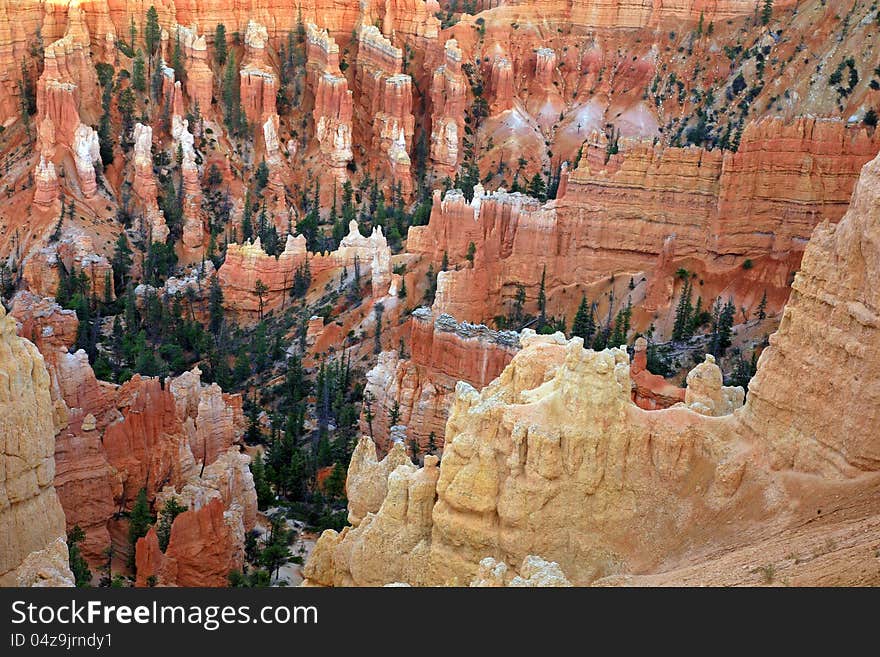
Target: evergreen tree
{"points": [[432, 443], [335, 483], [138, 73], [152, 32], [761, 313], [260, 290], [139, 521], [542, 300], [177, 59], [767, 12], [394, 414], [683, 314], [121, 262], [537, 187], [621, 326], [215, 305], [722, 326], [378, 309], [220, 44], [170, 511], [78, 565], [231, 95], [516, 317], [265, 497], [584, 322]]}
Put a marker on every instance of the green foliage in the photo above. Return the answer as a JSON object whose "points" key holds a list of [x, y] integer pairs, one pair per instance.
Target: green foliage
{"points": [[584, 325], [684, 312], [105, 139], [722, 326], [620, 332], [767, 12], [215, 305], [471, 251], [169, 512], [139, 521], [233, 115], [658, 360], [220, 51], [335, 483], [265, 497], [152, 31], [761, 313], [261, 177], [537, 188], [159, 263], [121, 262], [78, 566]]}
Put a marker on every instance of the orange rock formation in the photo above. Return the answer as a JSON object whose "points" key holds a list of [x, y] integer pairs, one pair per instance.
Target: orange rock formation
{"points": [[443, 353]]}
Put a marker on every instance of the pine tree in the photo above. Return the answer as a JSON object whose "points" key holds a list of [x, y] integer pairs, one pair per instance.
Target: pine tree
{"points": [[516, 316], [79, 567], [471, 251], [683, 314], [260, 290], [542, 300], [761, 314], [231, 94], [121, 262], [177, 60], [537, 187], [378, 309], [414, 450], [138, 73], [215, 305], [220, 44], [432, 443], [170, 511], [767, 12], [261, 483], [335, 483], [621, 326], [152, 32], [139, 521], [394, 414], [584, 322]]}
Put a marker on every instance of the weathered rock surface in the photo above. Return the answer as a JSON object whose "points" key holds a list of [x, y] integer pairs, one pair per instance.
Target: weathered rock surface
{"points": [[553, 458], [443, 352], [207, 540], [247, 263], [384, 111], [650, 210], [448, 96], [31, 518], [333, 100]]}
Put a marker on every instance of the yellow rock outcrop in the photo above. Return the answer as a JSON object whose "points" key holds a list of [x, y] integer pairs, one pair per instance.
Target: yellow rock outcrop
{"points": [[31, 519]]}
